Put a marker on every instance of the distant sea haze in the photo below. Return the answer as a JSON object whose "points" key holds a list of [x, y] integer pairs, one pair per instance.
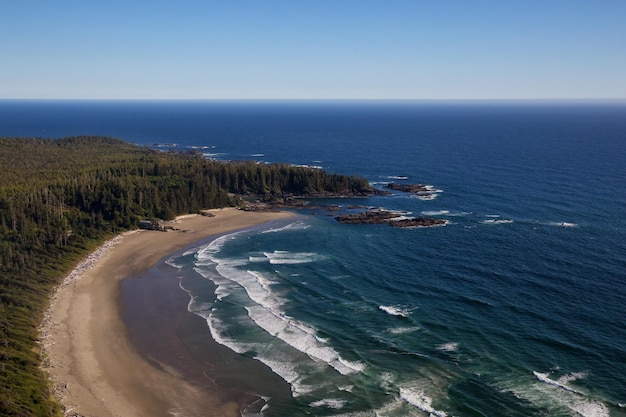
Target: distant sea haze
{"points": [[515, 307]]}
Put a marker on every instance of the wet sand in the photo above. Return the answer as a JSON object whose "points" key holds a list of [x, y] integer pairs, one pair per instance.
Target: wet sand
{"points": [[99, 368]]}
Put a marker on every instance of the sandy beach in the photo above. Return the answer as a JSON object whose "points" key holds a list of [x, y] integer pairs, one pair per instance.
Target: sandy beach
{"points": [[95, 368]]}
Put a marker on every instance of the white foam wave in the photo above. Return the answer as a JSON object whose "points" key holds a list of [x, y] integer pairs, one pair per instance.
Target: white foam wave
{"points": [[403, 330], [591, 409], [426, 196], [562, 224], [172, 262], [295, 226], [302, 338], [556, 395], [420, 400], [435, 212], [206, 253], [543, 377], [497, 221], [257, 259], [285, 257], [395, 310], [213, 155], [308, 166], [283, 368], [448, 347], [576, 400], [397, 177], [267, 313], [257, 155], [334, 403]]}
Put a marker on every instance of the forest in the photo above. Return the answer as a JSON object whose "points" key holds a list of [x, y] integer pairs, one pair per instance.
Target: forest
{"points": [[61, 198]]}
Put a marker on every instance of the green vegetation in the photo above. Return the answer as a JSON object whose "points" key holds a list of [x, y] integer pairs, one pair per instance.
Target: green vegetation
{"points": [[59, 199]]}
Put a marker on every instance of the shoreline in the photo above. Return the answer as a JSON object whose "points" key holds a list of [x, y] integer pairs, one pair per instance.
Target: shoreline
{"points": [[94, 366]]}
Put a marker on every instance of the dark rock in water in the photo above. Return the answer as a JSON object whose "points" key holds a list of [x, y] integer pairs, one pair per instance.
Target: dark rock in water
{"points": [[366, 217], [383, 216], [417, 222], [409, 188]]}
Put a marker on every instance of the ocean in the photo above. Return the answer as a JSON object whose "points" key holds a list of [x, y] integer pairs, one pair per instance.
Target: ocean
{"points": [[516, 307]]}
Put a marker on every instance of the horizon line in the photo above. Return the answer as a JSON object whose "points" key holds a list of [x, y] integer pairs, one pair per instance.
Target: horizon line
{"points": [[502, 99]]}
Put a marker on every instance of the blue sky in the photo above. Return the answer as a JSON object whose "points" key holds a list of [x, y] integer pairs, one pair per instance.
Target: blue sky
{"points": [[339, 49]]}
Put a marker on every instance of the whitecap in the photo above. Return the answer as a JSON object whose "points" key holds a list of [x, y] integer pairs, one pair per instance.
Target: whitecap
{"points": [[402, 330], [426, 196], [307, 166], [448, 347], [591, 409], [334, 403], [286, 257], [436, 212], [498, 221], [562, 224], [295, 226], [395, 310], [212, 155], [257, 259], [543, 377], [420, 400]]}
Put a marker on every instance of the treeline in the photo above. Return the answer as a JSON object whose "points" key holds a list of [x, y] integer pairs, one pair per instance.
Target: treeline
{"points": [[61, 198]]}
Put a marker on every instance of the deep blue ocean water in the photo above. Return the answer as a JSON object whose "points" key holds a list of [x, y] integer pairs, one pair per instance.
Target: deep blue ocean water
{"points": [[516, 307]]}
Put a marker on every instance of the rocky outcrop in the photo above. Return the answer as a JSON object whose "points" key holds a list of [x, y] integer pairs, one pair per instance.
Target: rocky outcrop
{"points": [[388, 217], [367, 217], [410, 188], [417, 222]]}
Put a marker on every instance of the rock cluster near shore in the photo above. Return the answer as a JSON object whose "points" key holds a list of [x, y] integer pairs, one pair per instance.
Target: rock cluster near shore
{"points": [[410, 188], [388, 217]]}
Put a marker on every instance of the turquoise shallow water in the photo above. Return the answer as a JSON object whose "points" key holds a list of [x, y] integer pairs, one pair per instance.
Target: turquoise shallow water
{"points": [[516, 307]]}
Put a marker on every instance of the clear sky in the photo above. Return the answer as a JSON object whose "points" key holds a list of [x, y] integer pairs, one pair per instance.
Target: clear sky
{"points": [[299, 49]]}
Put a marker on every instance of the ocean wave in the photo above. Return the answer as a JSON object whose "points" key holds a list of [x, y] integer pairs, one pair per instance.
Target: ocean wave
{"points": [[564, 396], [295, 226], [396, 310], [562, 224], [436, 212], [267, 313], [302, 338], [591, 409], [207, 252], [307, 166], [426, 196], [285, 257], [497, 221], [402, 330], [543, 377], [213, 155], [284, 368], [420, 400], [333, 403], [448, 347], [257, 259]]}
